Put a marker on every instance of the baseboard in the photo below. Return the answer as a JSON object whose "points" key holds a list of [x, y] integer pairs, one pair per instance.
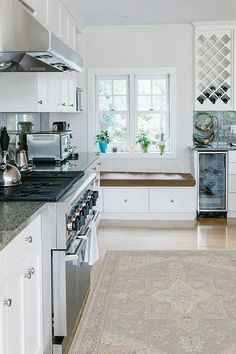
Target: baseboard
{"points": [[148, 216]]}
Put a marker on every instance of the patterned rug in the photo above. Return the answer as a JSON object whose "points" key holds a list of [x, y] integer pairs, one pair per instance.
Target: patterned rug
{"points": [[162, 302]]}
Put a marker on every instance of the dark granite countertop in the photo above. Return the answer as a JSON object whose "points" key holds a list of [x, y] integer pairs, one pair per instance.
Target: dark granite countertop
{"points": [[14, 217], [85, 160]]}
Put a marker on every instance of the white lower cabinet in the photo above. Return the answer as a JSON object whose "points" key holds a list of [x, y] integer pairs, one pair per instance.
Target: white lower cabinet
{"points": [[149, 203], [232, 184], [21, 293], [118, 200], [174, 200]]}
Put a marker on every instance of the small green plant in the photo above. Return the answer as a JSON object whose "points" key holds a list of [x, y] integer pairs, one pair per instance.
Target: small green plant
{"points": [[161, 142], [143, 139], [103, 136]]}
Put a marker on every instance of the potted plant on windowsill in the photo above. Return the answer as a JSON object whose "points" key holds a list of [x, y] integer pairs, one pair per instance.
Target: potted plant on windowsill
{"points": [[143, 140], [103, 140], [161, 143]]}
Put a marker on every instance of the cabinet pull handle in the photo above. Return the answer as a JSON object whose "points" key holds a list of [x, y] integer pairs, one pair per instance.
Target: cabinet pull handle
{"points": [[125, 200], [172, 200], [28, 274], [7, 302], [29, 239], [40, 101], [63, 104], [71, 105]]}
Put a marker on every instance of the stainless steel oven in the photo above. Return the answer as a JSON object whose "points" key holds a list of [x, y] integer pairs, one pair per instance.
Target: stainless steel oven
{"points": [[72, 258]]}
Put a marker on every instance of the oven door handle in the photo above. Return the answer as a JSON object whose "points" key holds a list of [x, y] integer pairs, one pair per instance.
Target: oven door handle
{"points": [[71, 257]]}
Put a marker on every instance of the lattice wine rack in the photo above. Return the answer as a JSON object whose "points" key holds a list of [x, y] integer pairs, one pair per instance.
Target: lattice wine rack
{"points": [[213, 67]]}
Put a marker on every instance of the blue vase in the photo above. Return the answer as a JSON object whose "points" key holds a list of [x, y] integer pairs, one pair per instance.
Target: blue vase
{"points": [[103, 146]]}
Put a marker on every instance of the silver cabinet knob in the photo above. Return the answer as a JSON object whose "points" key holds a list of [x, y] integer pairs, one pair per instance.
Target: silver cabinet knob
{"points": [[125, 200], [40, 101], [63, 104], [29, 239], [172, 200], [28, 275], [71, 105], [32, 270], [7, 302]]}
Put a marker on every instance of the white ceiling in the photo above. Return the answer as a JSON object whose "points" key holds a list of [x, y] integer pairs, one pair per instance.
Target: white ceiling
{"points": [[108, 12]]}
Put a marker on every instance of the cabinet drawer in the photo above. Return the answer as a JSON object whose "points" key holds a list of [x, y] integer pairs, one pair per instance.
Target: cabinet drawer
{"points": [[232, 168], [232, 183], [122, 200], [232, 156], [23, 244], [176, 200]]}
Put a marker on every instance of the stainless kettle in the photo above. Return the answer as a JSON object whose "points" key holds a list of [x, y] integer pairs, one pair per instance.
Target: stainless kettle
{"points": [[9, 174]]}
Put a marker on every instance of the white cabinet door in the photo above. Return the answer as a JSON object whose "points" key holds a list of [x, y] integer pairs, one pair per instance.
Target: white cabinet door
{"points": [[42, 92], [176, 200], [64, 92], [41, 11], [33, 304], [123, 200], [54, 92], [3, 327], [72, 33], [18, 92], [15, 310], [71, 91], [54, 17]]}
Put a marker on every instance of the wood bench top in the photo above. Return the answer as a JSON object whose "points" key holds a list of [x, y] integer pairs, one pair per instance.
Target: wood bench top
{"points": [[140, 179]]}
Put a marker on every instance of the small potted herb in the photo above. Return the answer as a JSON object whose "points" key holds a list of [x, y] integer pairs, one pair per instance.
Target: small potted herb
{"points": [[161, 143], [103, 140], [143, 139]]}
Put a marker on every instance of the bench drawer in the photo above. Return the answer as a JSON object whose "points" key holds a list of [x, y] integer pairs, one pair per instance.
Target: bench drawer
{"points": [[125, 200], [176, 200]]}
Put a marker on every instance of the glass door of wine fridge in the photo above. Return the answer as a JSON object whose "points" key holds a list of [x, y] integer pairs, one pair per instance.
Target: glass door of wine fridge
{"points": [[212, 181]]}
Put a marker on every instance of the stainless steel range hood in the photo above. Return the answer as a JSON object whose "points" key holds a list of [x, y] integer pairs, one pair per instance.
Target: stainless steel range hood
{"points": [[25, 45]]}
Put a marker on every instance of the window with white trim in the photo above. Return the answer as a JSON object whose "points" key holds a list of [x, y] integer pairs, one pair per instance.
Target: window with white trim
{"points": [[127, 104]]}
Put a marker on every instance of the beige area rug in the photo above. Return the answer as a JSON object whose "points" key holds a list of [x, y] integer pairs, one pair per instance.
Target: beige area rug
{"points": [[162, 302]]}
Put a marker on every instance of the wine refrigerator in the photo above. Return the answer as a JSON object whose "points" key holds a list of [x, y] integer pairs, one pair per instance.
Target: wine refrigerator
{"points": [[212, 182]]}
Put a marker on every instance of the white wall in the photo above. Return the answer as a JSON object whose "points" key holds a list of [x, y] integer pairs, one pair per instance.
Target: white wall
{"points": [[147, 47]]}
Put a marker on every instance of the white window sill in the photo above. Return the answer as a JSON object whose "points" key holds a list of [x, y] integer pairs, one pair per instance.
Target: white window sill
{"points": [[137, 155]]}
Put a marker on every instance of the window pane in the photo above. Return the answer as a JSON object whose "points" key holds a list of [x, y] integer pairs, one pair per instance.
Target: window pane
{"points": [[105, 103], [105, 87], [159, 86], [119, 87], [159, 103], [144, 87], [116, 125], [155, 124], [119, 103], [144, 103]]}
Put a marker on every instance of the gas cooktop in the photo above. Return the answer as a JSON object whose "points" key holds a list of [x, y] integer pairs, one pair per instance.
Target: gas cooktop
{"points": [[41, 186]]}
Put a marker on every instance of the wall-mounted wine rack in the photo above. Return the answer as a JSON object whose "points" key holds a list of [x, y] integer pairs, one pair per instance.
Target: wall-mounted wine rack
{"points": [[213, 70]]}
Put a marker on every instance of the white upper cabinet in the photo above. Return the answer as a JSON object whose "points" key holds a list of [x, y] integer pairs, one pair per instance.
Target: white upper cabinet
{"points": [[214, 80], [54, 17]]}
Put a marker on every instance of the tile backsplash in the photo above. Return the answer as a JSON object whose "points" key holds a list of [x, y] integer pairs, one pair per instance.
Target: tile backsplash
{"points": [[10, 120], [226, 121]]}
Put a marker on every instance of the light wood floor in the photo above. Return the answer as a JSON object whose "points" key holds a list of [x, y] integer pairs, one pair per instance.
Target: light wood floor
{"points": [[166, 235], [212, 233]]}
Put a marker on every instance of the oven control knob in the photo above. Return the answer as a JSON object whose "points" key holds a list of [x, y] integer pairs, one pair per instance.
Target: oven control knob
{"points": [[95, 197], [69, 225], [81, 220]]}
